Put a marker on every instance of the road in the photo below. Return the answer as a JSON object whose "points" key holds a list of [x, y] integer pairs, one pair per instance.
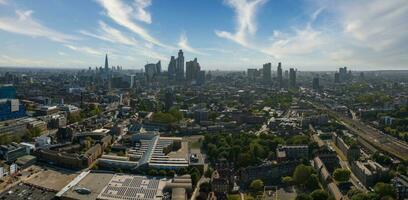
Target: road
{"points": [[384, 142], [197, 188]]}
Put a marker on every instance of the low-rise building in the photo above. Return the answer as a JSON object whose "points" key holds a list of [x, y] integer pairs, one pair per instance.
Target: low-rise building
{"points": [[400, 184], [11, 152], [368, 172], [268, 172], [290, 152], [352, 152]]}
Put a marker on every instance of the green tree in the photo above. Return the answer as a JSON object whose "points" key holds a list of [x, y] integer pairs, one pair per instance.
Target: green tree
{"points": [[313, 182], [301, 174], [360, 196], [162, 173], [287, 180], [152, 172], [209, 172], [384, 189], [257, 185], [319, 195], [303, 196], [341, 175]]}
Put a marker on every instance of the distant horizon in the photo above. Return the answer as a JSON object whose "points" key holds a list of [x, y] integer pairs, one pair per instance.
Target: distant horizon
{"points": [[165, 69], [225, 34]]}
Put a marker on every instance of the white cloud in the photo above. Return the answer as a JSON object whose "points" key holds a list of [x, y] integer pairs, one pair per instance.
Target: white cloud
{"points": [[245, 12], [61, 53], [141, 13], [3, 2], [377, 24], [183, 44], [123, 14], [84, 49], [110, 34], [25, 24], [302, 41]]}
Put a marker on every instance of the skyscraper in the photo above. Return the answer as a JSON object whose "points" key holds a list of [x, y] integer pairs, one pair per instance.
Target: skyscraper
{"points": [[152, 70], [158, 67], [171, 71], [292, 78], [201, 77], [280, 78], [180, 66], [336, 77], [192, 69], [266, 70], [106, 63], [316, 84]]}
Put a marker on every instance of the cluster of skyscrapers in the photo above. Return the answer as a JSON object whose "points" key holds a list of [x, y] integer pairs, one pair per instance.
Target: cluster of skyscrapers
{"points": [[342, 75], [192, 73], [289, 80]]}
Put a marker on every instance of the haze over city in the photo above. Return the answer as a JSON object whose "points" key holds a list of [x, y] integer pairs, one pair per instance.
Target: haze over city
{"points": [[224, 34], [204, 100]]}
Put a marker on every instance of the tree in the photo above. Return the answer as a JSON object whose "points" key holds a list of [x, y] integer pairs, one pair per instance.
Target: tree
{"points": [[303, 197], [313, 182], [162, 172], [353, 192], [152, 172], [384, 189], [360, 196], [341, 175], [171, 173], [319, 195], [257, 185], [287, 180], [301, 174], [209, 172]]}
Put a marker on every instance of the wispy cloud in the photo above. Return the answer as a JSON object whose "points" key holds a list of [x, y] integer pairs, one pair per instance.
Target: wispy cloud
{"points": [[300, 42], [183, 44], [123, 14], [381, 25], [24, 23], [245, 12], [3, 2], [84, 49], [141, 13], [110, 34]]}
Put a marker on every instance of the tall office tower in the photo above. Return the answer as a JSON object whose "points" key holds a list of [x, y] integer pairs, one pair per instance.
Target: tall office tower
{"points": [[342, 74], [171, 71], [132, 81], [252, 74], [192, 69], [180, 66], [168, 99], [106, 63], [150, 71], [280, 78], [292, 78], [158, 67], [201, 77], [266, 71], [336, 77], [316, 84]]}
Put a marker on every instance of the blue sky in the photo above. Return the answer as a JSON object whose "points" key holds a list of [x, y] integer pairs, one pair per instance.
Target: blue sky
{"points": [[222, 34]]}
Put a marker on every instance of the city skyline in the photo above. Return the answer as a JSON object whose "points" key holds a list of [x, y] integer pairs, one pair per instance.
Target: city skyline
{"points": [[225, 35]]}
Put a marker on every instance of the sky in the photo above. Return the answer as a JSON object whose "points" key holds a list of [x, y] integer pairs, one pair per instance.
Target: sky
{"points": [[222, 34]]}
